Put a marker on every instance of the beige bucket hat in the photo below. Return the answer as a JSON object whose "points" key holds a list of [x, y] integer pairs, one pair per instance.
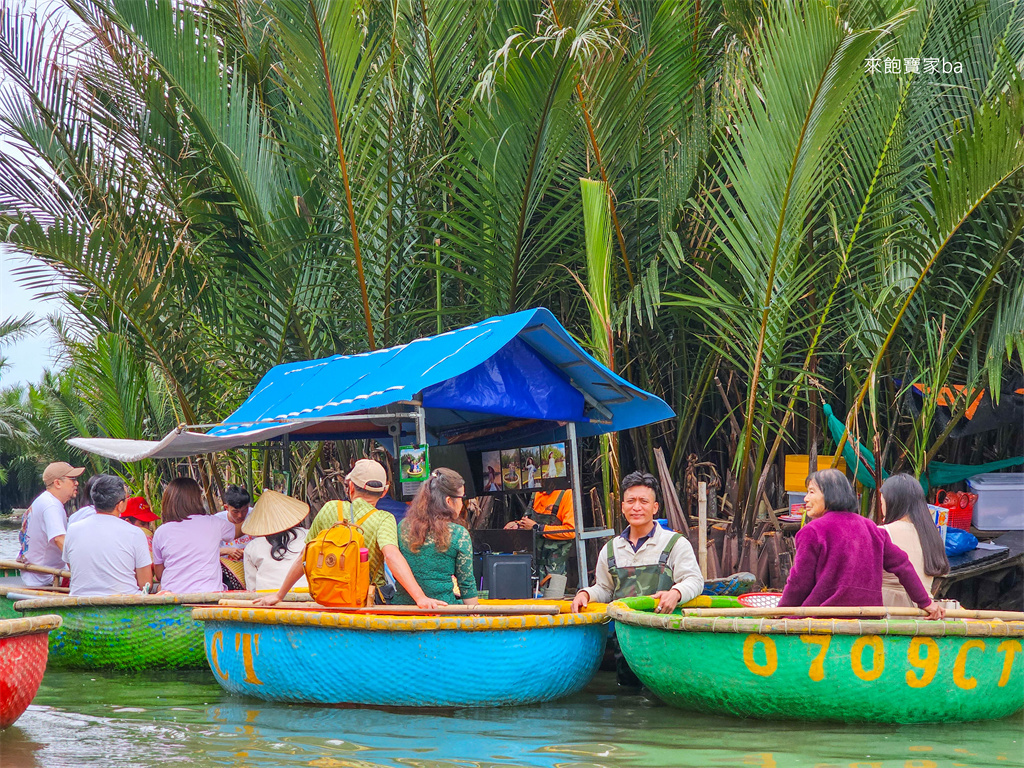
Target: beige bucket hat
{"points": [[274, 512]]}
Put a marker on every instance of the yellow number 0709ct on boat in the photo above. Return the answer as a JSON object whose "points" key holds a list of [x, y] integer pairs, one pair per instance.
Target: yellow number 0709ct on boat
{"points": [[889, 670]]}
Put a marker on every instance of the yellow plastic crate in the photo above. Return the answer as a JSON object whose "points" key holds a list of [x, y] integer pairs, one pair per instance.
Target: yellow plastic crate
{"points": [[797, 469]]}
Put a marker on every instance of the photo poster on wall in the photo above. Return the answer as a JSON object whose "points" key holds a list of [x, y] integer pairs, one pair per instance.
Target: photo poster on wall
{"points": [[511, 464], [490, 472], [522, 470], [413, 468], [530, 472], [553, 466]]}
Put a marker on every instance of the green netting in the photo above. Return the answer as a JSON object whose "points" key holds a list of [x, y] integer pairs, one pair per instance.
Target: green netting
{"points": [[855, 453], [938, 473]]}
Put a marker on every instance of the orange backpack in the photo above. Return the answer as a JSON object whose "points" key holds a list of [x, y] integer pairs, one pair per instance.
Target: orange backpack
{"points": [[337, 565]]}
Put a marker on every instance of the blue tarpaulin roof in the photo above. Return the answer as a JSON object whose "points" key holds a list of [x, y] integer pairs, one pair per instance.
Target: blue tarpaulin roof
{"points": [[519, 366], [523, 365]]}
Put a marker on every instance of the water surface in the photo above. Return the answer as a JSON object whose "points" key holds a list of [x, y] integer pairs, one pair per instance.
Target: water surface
{"points": [[176, 718]]}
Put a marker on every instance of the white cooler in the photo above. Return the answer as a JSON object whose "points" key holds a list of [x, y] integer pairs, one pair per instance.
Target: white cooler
{"points": [[1000, 504]]}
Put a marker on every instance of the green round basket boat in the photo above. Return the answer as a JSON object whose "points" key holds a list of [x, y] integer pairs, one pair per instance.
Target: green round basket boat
{"points": [[128, 632], [879, 670]]}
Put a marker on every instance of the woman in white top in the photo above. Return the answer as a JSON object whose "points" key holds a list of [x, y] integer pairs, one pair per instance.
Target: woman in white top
{"points": [[908, 521], [531, 472], [278, 526]]}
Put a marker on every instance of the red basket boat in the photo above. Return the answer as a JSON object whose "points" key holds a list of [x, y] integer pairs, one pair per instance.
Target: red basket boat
{"points": [[23, 649]]}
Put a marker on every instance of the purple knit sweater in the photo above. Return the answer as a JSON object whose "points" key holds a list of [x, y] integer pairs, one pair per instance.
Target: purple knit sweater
{"points": [[839, 561]]}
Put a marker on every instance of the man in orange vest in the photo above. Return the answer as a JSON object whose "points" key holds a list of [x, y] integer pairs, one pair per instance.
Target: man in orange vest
{"points": [[554, 517]]}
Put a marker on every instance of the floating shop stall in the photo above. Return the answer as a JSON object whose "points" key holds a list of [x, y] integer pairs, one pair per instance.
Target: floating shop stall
{"points": [[517, 380], [510, 381]]}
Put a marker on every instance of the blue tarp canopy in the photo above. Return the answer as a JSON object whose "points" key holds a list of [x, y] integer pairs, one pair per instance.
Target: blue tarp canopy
{"points": [[518, 367]]}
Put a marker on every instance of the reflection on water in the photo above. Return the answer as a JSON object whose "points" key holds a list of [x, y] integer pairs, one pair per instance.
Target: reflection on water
{"points": [[179, 718]]}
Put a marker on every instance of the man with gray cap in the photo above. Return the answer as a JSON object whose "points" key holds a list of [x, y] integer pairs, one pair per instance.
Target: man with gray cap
{"points": [[47, 522], [366, 483], [107, 555]]}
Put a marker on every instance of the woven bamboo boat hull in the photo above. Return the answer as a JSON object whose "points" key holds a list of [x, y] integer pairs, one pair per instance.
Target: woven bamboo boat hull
{"points": [[402, 661], [138, 632], [23, 653], [890, 671]]}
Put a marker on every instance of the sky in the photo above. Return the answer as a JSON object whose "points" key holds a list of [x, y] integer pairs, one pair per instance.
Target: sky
{"points": [[28, 358]]}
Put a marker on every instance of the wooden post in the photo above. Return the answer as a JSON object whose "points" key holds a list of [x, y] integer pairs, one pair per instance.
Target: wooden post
{"points": [[702, 527]]}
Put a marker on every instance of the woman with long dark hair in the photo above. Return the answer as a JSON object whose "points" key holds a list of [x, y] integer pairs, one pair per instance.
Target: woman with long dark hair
{"points": [[908, 521], [278, 525], [186, 548], [436, 547], [840, 555]]}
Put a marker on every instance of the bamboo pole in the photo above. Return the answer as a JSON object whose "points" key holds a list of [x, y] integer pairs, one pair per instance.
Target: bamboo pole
{"points": [[832, 611], [15, 565], [405, 610], [702, 528]]}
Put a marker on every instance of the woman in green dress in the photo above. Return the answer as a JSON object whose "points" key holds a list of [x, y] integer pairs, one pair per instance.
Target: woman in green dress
{"points": [[435, 546]]}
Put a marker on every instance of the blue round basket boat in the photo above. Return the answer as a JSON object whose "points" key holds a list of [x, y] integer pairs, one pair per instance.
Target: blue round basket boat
{"points": [[402, 661]]}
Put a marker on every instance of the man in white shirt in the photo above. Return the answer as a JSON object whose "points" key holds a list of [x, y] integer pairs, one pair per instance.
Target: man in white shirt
{"points": [[107, 555], [47, 522], [644, 559]]}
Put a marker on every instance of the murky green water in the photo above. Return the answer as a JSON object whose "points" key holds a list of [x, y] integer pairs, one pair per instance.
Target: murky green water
{"points": [[81, 719]]}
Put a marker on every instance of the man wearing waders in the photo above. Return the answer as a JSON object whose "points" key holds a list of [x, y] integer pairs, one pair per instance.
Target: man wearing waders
{"points": [[554, 518], [645, 559]]}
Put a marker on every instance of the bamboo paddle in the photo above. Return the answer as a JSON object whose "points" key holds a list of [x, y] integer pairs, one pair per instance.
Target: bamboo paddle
{"points": [[834, 612], [14, 564], [408, 610]]}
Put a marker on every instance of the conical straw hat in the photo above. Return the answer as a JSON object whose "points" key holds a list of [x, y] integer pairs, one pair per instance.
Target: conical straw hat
{"points": [[274, 512]]}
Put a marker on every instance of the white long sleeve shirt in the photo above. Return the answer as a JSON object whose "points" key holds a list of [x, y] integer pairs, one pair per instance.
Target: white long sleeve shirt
{"points": [[681, 560]]}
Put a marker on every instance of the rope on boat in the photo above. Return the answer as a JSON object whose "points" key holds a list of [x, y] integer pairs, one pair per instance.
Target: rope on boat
{"points": [[398, 623], [621, 612], [49, 603], [29, 626]]}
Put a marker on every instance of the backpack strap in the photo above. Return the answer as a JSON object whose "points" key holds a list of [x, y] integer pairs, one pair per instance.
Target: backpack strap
{"points": [[347, 515], [667, 551], [344, 511], [558, 501]]}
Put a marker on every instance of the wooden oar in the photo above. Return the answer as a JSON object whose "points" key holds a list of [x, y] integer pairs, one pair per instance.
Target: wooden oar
{"points": [[407, 610], [835, 612], [15, 565]]}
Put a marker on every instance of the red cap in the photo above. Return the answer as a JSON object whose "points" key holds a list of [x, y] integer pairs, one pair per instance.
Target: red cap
{"points": [[138, 508]]}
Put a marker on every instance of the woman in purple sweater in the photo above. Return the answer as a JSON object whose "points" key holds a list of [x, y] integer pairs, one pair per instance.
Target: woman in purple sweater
{"points": [[840, 555]]}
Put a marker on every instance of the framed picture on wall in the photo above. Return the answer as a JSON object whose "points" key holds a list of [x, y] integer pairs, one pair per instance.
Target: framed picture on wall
{"points": [[511, 465], [530, 473], [490, 472], [552, 461], [413, 468]]}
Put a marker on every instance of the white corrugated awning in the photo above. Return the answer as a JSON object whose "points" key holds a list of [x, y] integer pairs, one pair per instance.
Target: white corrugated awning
{"points": [[176, 445]]}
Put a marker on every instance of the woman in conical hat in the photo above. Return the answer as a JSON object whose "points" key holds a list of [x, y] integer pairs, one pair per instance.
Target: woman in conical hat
{"points": [[278, 526]]}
